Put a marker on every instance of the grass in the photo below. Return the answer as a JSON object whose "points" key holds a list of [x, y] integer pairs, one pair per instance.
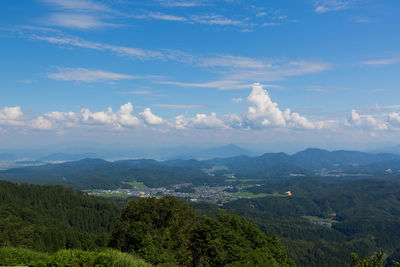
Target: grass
{"points": [[108, 257], [220, 168], [251, 195], [100, 193], [137, 184]]}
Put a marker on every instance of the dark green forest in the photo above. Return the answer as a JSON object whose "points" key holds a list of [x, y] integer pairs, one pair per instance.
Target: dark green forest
{"points": [[50, 219], [321, 224], [364, 217]]}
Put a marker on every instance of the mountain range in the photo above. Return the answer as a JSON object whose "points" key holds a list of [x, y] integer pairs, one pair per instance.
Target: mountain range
{"points": [[97, 173]]}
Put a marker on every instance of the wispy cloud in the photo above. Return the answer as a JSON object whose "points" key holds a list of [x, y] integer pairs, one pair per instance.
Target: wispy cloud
{"points": [[233, 61], [323, 6], [28, 81], [64, 40], [87, 75], [362, 20], [217, 20], [385, 61], [78, 14], [161, 16], [181, 3], [179, 106], [221, 84], [239, 74], [78, 21], [78, 5]]}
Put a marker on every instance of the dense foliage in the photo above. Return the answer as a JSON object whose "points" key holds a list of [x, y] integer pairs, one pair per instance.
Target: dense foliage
{"points": [[72, 258], [49, 218], [167, 230], [364, 217]]}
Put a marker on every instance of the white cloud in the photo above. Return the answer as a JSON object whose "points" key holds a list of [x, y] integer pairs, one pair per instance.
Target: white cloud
{"points": [[180, 3], [238, 73], [41, 123], [294, 120], [269, 24], [125, 117], [87, 75], [263, 113], [233, 120], [323, 6], [161, 16], [118, 119], [123, 51], [386, 61], [61, 116], [221, 85], [150, 118], [179, 106], [11, 116], [10, 113], [78, 14], [78, 5], [200, 121], [234, 62], [217, 20], [101, 117], [366, 122], [394, 119], [78, 21]]}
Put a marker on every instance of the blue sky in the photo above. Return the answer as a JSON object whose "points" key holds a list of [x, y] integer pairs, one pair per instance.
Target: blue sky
{"points": [[273, 75]]}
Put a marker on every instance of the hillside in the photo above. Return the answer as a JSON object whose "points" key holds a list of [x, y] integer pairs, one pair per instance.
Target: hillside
{"points": [[324, 221], [50, 219], [101, 174]]}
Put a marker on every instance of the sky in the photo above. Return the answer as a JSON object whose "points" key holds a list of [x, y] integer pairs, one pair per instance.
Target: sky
{"points": [[269, 75]]}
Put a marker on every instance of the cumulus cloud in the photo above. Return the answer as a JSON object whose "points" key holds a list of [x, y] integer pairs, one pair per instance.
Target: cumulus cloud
{"points": [[125, 116], [366, 122], [150, 118], [200, 121], [118, 119], [11, 116], [394, 119], [41, 123], [263, 112], [60, 116]]}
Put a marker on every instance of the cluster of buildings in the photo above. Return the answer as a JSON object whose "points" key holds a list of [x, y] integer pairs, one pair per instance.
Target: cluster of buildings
{"points": [[212, 194]]}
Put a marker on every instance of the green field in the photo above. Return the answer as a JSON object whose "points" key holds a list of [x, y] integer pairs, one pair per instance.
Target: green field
{"points": [[220, 168], [251, 195], [137, 184], [100, 193]]}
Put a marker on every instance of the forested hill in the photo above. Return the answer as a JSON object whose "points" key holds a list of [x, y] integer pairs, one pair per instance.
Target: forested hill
{"points": [[161, 231], [49, 218], [324, 221], [101, 174]]}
